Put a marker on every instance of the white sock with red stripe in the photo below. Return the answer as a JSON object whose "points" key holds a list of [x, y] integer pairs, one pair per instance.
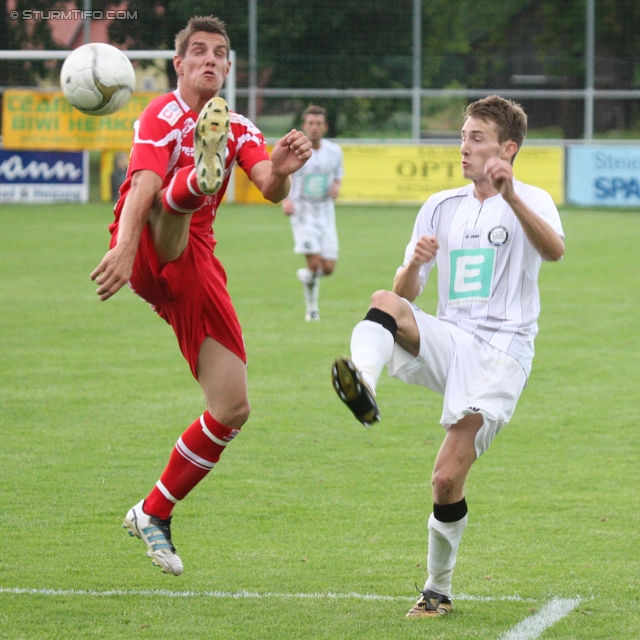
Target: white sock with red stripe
{"points": [[183, 196], [194, 455]]}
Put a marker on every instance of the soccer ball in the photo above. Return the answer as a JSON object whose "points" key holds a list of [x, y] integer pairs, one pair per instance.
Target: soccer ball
{"points": [[97, 79]]}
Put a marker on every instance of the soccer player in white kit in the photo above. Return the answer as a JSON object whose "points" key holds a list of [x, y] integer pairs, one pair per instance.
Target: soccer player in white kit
{"points": [[488, 240], [311, 208]]}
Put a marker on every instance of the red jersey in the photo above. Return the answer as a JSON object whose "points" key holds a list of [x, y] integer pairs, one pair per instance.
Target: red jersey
{"points": [[163, 143]]}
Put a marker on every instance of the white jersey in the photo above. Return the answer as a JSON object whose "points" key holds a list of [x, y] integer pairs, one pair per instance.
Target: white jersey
{"points": [[310, 184], [487, 268]]}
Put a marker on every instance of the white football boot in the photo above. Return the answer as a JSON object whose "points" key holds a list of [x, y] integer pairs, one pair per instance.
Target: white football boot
{"points": [[156, 534], [209, 145]]}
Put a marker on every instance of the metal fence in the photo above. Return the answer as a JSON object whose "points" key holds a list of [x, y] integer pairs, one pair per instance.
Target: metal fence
{"points": [[418, 113]]}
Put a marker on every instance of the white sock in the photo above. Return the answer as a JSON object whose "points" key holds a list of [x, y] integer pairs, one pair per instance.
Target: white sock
{"points": [[311, 294], [444, 540], [310, 288], [313, 289], [371, 349]]}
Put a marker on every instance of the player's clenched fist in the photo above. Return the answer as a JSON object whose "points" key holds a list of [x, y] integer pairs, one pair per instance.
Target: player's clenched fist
{"points": [[426, 249]]}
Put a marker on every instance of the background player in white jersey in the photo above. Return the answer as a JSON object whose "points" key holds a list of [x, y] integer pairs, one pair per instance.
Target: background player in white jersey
{"points": [[311, 208], [488, 241], [186, 144]]}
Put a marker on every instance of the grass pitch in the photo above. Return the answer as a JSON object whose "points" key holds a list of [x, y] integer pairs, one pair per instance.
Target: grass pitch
{"points": [[311, 526]]}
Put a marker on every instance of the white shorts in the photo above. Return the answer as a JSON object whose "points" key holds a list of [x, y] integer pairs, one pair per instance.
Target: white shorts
{"points": [[314, 230], [472, 375]]}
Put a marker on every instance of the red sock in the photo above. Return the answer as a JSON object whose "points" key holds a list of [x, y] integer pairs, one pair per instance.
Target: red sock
{"points": [[183, 196], [195, 454]]}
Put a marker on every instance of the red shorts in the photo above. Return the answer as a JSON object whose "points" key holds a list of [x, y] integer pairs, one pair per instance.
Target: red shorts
{"points": [[190, 293]]}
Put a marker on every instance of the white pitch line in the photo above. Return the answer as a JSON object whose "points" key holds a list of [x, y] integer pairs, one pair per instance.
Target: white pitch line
{"points": [[193, 594], [234, 594], [529, 629], [534, 626]]}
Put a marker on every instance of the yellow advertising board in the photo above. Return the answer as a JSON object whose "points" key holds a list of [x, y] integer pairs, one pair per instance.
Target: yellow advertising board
{"points": [[245, 191], [412, 173], [45, 120]]}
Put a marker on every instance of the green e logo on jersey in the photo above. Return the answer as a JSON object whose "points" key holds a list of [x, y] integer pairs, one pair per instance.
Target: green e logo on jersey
{"points": [[316, 185], [471, 275]]}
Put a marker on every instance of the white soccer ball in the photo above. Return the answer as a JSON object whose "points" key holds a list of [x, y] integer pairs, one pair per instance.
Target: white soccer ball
{"points": [[97, 79]]}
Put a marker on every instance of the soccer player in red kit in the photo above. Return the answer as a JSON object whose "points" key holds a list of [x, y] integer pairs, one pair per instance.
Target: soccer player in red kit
{"points": [[185, 146]]}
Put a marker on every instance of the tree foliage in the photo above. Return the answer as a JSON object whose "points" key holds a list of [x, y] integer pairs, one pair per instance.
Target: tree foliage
{"points": [[17, 33], [356, 44], [342, 44], [368, 44]]}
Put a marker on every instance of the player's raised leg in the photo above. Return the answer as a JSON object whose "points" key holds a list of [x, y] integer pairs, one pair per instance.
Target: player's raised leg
{"points": [[372, 342], [170, 216]]}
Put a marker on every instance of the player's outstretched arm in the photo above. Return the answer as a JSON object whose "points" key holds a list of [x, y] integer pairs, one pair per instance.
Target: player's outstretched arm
{"points": [[288, 155], [115, 268]]}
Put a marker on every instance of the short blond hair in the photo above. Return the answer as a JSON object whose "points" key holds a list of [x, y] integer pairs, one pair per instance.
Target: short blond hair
{"points": [[509, 116]]}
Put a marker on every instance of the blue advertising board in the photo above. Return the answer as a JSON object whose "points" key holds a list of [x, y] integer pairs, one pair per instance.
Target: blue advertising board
{"points": [[604, 175], [44, 176]]}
